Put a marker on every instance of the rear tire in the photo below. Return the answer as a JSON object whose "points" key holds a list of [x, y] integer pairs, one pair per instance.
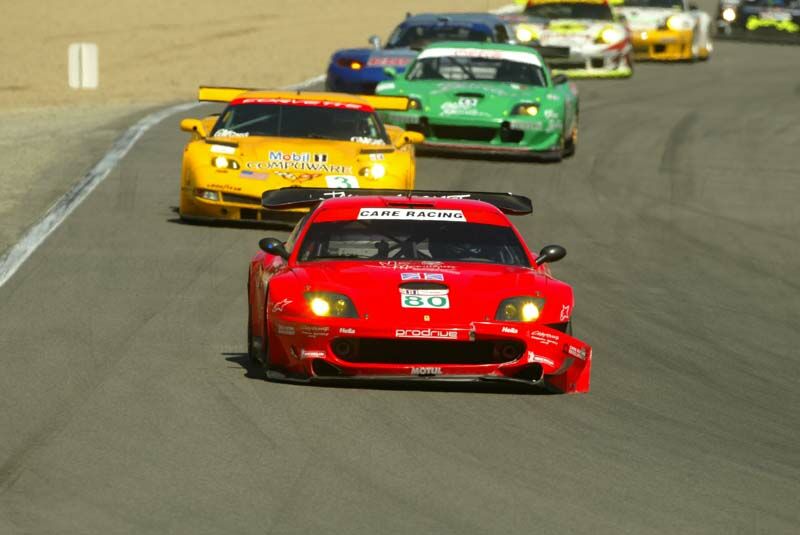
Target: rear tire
{"points": [[572, 144]]}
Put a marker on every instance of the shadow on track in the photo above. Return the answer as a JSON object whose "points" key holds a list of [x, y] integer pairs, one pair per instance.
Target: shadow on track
{"points": [[256, 372]]}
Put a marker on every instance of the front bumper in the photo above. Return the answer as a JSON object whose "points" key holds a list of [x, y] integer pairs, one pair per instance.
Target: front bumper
{"points": [[595, 61], [739, 31], [234, 208], [515, 135], [662, 45], [310, 350], [344, 80]]}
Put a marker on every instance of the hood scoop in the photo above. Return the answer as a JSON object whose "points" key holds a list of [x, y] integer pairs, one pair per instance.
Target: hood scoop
{"points": [[418, 285]]}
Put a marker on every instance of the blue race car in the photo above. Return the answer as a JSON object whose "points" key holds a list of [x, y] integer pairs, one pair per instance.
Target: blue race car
{"points": [[359, 70]]}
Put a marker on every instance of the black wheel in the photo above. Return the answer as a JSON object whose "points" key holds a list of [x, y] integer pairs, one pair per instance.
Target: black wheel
{"points": [[572, 143], [568, 328]]}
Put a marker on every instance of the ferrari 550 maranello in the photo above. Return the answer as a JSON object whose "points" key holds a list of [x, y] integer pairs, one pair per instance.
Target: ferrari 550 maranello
{"points": [[398, 285], [272, 139]]}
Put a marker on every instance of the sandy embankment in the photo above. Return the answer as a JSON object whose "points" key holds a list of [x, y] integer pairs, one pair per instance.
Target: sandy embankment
{"points": [[152, 52]]}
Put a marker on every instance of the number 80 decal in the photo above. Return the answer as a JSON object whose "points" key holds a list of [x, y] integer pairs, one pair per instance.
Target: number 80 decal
{"points": [[425, 301]]}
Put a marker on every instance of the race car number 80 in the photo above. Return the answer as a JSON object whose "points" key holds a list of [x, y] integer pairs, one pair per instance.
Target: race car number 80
{"points": [[425, 301]]}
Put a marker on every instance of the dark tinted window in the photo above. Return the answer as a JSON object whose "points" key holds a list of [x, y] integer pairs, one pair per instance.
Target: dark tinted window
{"points": [[664, 4], [418, 37], [298, 121], [412, 240], [484, 69]]}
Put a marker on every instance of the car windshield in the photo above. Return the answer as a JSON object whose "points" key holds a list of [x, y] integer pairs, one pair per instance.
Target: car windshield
{"points": [[663, 4], [412, 240], [473, 68], [303, 121], [570, 11], [418, 37]]}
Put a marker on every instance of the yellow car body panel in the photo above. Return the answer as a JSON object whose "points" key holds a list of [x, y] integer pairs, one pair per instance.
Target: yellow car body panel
{"points": [[212, 192], [663, 45]]}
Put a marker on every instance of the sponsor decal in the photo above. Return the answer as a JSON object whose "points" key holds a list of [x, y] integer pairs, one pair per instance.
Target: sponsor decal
{"points": [[424, 298], [411, 276], [577, 352], [388, 61], [367, 140], [314, 331], [564, 316], [526, 126], [464, 105], [280, 305], [422, 276], [253, 175], [544, 337], [533, 357], [341, 181], [377, 157], [433, 276], [222, 149], [302, 166], [298, 177], [426, 333], [312, 354], [287, 330], [510, 330], [278, 155], [550, 114], [346, 330], [426, 370], [399, 118], [781, 21], [426, 265], [224, 187], [412, 214], [312, 103], [224, 132]]}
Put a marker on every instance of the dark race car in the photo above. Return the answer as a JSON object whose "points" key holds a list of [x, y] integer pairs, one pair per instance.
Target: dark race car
{"points": [[359, 70], [760, 20], [399, 285]]}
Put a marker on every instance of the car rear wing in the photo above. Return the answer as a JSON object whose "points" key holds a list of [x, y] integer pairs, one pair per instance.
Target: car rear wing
{"points": [[219, 94], [299, 197]]}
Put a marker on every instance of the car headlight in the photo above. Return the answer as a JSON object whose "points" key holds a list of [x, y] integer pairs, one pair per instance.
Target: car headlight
{"points": [[679, 23], [206, 194], [326, 304], [531, 110], [729, 14], [610, 35], [524, 35], [376, 171], [414, 104], [525, 309], [221, 162]]}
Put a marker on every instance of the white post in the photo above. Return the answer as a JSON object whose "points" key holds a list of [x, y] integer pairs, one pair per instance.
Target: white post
{"points": [[83, 66]]}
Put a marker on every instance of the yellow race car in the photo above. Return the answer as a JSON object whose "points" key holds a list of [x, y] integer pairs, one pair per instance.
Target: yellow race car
{"points": [[266, 140]]}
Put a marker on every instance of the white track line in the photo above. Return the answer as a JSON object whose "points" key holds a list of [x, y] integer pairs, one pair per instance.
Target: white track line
{"points": [[13, 259]]}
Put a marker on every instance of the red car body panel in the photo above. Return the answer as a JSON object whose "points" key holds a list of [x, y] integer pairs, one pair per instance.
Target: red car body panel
{"points": [[386, 341]]}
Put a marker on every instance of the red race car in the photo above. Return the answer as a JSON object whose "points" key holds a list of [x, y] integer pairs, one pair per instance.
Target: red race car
{"points": [[423, 285]]}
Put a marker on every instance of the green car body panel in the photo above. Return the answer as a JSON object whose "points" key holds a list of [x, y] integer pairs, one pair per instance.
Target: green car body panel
{"points": [[477, 115]]}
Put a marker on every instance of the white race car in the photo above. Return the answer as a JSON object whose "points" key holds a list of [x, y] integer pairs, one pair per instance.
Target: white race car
{"points": [[594, 41], [669, 30]]}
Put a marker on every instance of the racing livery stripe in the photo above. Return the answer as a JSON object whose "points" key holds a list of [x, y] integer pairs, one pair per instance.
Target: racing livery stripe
{"points": [[311, 103]]}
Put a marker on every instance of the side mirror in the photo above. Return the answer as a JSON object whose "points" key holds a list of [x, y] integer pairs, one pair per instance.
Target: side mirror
{"points": [[550, 253], [559, 79], [375, 41], [693, 6], [413, 138], [274, 247], [391, 72], [194, 126]]}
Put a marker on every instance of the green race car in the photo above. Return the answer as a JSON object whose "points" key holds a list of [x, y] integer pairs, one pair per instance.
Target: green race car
{"points": [[486, 97]]}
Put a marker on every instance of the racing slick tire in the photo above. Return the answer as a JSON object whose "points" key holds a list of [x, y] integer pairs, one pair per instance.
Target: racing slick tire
{"points": [[572, 143]]}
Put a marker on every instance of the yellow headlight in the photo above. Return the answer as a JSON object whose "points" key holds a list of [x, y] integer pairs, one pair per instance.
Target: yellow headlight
{"points": [[729, 14], [509, 312], [524, 35], [678, 23], [320, 306], [378, 170], [356, 65], [611, 35], [221, 162], [530, 312]]}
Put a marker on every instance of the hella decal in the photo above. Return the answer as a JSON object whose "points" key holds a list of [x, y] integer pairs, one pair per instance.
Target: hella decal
{"points": [[510, 330]]}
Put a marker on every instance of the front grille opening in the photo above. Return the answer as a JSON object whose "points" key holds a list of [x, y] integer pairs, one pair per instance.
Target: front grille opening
{"points": [[597, 63], [246, 213], [241, 199], [511, 136], [464, 133], [659, 49], [395, 351]]}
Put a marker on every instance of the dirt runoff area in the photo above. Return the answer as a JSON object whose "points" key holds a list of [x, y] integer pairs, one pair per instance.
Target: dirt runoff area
{"points": [[151, 53]]}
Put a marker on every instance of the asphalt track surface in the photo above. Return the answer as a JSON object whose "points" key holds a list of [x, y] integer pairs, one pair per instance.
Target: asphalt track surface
{"points": [[127, 407]]}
